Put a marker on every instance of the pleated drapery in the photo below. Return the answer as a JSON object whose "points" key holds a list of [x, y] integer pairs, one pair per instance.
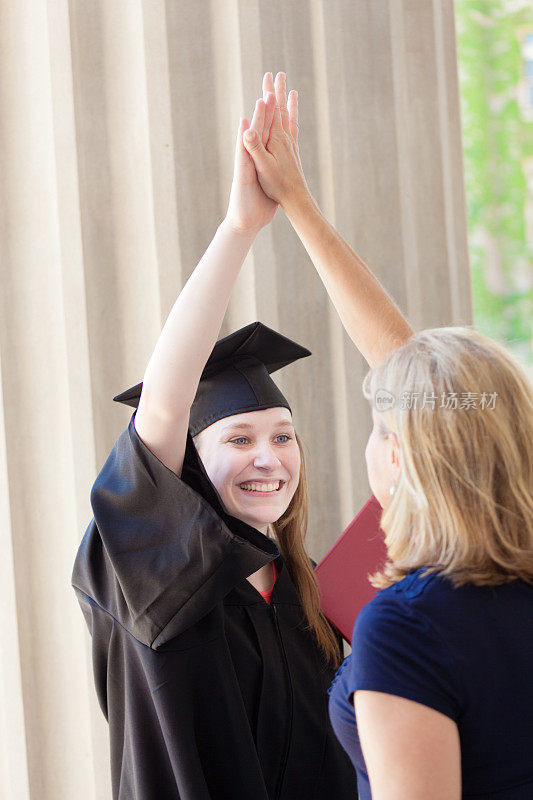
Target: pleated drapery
{"points": [[117, 127]]}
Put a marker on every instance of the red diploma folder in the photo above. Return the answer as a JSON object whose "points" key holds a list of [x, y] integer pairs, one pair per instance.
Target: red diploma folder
{"points": [[342, 573]]}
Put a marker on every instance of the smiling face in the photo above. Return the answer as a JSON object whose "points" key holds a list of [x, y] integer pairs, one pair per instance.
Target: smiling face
{"points": [[253, 461]]}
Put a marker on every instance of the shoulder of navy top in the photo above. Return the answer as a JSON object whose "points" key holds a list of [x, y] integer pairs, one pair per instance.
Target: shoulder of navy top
{"points": [[412, 586], [414, 583], [339, 672]]}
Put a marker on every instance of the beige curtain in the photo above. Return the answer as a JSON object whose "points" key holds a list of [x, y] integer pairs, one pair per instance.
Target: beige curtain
{"points": [[117, 126]]}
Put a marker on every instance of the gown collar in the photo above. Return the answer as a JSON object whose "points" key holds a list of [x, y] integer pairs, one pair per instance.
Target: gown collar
{"points": [[284, 592]]}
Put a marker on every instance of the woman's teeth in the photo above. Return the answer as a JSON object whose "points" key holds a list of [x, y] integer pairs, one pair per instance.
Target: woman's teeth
{"points": [[260, 487]]}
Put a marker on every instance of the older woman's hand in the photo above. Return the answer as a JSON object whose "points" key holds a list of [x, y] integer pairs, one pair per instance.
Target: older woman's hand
{"points": [[277, 163]]}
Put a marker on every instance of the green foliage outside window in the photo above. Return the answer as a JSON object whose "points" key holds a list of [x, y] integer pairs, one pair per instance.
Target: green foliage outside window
{"points": [[495, 54]]}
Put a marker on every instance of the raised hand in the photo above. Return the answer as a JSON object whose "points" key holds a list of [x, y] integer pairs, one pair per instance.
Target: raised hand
{"points": [[288, 108], [249, 208], [278, 163]]}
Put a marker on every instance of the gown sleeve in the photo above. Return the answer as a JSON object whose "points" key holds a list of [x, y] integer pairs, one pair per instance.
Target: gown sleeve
{"points": [[397, 650], [158, 555]]}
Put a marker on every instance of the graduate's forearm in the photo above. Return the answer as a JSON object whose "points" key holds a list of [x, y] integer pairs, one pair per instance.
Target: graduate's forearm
{"points": [[192, 327], [372, 320]]}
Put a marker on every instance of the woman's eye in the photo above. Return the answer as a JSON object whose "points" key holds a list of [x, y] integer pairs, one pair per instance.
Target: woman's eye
{"points": [[239, 440], [284, 437]]}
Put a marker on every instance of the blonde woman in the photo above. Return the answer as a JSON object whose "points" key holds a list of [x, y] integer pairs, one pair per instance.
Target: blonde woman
{"points": [[435, 701]]}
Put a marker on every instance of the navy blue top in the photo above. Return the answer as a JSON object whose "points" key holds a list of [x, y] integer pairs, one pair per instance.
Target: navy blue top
{"points": [[467, 652]]}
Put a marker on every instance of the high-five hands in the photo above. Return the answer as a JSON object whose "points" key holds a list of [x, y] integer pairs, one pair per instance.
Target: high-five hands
{"points": [[267, 168], [273, 142], [249, 208]]}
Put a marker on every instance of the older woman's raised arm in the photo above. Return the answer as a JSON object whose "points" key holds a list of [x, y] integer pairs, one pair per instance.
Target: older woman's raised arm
{"points": [[371, 318]]}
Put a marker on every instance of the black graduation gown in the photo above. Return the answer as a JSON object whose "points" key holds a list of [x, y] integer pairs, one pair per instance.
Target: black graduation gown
{"points": [[210, 692]]}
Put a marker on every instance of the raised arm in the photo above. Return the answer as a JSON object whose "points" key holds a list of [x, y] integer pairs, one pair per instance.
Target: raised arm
{"points": [[171, 378], [371, 318]]}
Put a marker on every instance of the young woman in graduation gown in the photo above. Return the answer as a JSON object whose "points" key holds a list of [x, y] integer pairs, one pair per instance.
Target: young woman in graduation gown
{"points": [[214, 686], [438, 676]]}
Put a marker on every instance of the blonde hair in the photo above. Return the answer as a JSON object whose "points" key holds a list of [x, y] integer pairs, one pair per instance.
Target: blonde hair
{"points": [[464, 501]]}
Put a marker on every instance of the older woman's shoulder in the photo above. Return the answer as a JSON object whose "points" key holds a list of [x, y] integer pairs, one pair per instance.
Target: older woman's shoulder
{"points": [[435, 598]]}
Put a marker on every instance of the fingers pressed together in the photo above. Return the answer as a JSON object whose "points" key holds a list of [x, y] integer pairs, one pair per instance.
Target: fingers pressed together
{"points": [[274, 109]]}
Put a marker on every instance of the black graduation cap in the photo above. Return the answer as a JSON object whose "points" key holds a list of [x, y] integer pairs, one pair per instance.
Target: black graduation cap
{"points": [[236, 377]]}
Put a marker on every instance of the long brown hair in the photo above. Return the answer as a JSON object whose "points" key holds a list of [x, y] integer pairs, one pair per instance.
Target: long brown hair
{"points": [[290, 531], [464, 500]]}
